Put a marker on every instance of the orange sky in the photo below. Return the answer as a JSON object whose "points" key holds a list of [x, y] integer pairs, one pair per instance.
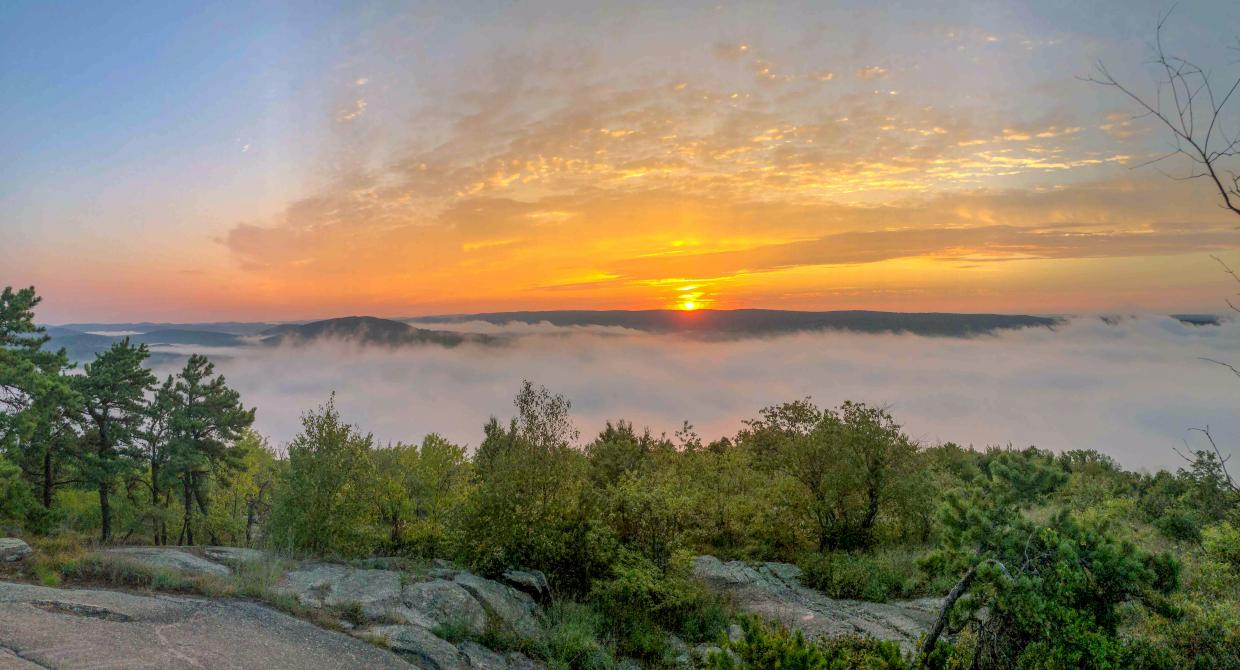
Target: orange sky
{"points": [[415, 162]]}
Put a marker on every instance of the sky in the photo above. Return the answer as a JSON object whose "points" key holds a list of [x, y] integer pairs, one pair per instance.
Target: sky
{"points": [[268, 161]]}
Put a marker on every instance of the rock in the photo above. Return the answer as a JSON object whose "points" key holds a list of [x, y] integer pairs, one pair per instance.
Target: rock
{"points": [[774, 592], [787, 573], [532, 582], [519, 661], [703, 652], [421, 646], [680, 651], [168, 558], [628, 663], [43, 627], [233, 555], [481, 658], [377, 592], [441, 602], [735, 633], [13, 549], [513, 609]]}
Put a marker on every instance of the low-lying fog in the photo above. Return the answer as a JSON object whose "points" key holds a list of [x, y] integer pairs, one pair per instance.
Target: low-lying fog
{"points": [[1131, 389]]}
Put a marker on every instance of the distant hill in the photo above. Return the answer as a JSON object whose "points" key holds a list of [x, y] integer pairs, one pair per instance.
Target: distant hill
{"points": [[230, 327], [204, 338], [749, 322], [82, 347], [367, 330]]}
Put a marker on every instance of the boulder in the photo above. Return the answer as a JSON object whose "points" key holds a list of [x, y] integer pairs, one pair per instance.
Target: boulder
{"points": [[168, 558], [774, 592], [532, 582], [519, 661], [420, 646], [512, 608], [482, 658], [233, 555], [377, 592], [441, 602], [13, 549]]}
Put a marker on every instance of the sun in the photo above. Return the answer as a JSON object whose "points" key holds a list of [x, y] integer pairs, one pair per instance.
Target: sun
{"points": [[688, 305]]}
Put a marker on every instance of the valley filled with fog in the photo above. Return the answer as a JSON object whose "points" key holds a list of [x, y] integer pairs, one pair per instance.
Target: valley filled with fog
{"points": [[1131, 388]]}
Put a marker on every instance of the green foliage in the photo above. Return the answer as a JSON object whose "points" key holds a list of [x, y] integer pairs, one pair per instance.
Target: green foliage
{"points": [[764, 647], [878, 575], [324, 501], [852, 465], [574, 638], [205, 422], [16, 500], [421, 492], [534, 506], [112, 391], [1222, 543], [641, 600]]}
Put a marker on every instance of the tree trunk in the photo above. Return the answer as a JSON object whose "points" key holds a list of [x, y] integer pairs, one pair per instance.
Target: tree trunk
{"points": [[49, 481], [927, 646], [105, 513], [188, 498], [155, 516]]}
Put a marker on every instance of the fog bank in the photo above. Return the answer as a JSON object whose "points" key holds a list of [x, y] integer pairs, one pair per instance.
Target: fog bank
{"points": [[1130, 389]]}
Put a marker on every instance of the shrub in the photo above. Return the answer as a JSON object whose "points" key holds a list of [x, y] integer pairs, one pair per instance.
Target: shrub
{"points": [[1222, 543], [876, 576], [573, 638], [641, 601], [764, 647]]}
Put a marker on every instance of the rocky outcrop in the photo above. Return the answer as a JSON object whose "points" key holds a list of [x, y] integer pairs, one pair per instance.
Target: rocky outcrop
{"points": [[44, 627], [532, 582], [13, 549], [403, 612], [773, 591], [376, 592], [233, 555], [167, 558]]}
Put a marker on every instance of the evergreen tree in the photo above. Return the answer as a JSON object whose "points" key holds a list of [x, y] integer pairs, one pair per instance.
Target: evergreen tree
{"points": [[37, 403], [206, 420], [113, 393]]}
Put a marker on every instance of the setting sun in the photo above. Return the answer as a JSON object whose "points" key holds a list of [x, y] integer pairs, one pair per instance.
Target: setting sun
{"points": [[688, 305]]}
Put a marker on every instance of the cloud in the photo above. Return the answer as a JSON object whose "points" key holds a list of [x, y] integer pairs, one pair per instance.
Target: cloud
{"points": [[1131, 390], [871, 72]]}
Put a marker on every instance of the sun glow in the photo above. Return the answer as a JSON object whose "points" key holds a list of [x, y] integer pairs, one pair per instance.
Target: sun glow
{"points": [[688, 305]]}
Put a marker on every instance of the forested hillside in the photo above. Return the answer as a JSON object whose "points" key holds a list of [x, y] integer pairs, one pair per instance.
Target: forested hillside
{"points": [[1048, 560]]}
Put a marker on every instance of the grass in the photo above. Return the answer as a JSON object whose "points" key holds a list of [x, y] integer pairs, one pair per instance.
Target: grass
{"points": [[876, 576]]}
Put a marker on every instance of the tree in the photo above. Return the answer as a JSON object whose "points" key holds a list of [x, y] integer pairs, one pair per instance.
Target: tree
{"points": [[533, 507], [422, 490], [324, 501], [851, 464], [37, 402], [113, 391], [206, 420]]}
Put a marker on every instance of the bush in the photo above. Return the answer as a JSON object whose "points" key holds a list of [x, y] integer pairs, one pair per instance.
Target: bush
{"points": [[876, 576], [324, 503], [641, 601], [1180, 524], [1222, 543], [573, 638], [764, 647]]}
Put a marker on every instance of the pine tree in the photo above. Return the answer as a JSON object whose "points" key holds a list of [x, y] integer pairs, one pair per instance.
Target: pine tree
{"points": [[207, 418], [113, 393]]}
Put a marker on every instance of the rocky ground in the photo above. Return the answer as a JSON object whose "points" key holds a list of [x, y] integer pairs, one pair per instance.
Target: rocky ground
{"points": [[390, 617], [774, 592]]}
